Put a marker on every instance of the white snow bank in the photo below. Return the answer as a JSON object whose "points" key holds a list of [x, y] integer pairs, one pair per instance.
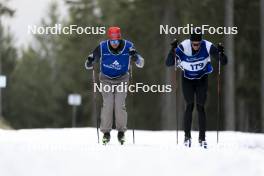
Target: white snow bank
{"points": [[75, 152]]}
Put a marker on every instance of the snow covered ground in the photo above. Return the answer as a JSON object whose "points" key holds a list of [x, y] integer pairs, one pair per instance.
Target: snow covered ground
{"points": [[75, 152]]}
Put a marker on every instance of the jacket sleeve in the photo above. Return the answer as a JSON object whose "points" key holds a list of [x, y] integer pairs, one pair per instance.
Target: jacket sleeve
{"points": [[92, 58], [172, 55], [215, 54], [139, 60]]}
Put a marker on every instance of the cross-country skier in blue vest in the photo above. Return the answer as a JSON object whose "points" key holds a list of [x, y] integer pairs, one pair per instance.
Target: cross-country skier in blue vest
{"points": [[193, 56], [114, 56]]}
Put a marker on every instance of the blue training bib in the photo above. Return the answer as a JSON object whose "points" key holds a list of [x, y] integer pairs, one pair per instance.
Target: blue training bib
{"points": [[195, 66], [114, 65]]}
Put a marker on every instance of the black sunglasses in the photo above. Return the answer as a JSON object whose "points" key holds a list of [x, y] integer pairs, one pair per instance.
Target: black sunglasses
{"points": [[196, 44]]}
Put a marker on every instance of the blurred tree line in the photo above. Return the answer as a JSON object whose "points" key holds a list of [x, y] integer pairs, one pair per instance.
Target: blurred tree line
{"points": [[52, 66]]}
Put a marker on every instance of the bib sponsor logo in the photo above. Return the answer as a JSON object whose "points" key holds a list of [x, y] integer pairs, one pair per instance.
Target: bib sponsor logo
{"points": [[194, 59], [115, 65]]}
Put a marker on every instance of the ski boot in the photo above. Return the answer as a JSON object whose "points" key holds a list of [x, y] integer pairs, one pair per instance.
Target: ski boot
{"points": [[187, 142], [106, 138], [203, 143], [121, 137]]}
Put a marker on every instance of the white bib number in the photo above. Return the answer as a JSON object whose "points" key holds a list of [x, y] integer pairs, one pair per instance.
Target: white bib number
{"points": [[194, 66]]}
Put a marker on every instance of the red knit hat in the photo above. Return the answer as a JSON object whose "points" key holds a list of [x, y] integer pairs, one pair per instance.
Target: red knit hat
{"points": [[114, 33]]}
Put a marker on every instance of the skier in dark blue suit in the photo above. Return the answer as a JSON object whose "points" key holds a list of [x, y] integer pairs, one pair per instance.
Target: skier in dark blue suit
{"points": [[193, 56]]}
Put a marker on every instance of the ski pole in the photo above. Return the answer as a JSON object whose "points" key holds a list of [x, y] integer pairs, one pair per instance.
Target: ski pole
{"points": [[132, 102], [95, 108], [177, 126], [174, 44], [218, 94]]}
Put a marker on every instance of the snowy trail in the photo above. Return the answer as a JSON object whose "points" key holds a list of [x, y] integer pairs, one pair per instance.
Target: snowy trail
{"points": [[75, 152]]}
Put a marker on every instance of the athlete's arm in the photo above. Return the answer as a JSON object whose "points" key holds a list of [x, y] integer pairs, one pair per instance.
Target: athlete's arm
{"points": [[93, 57], [136, 57], [170, 60], [214, 52]]}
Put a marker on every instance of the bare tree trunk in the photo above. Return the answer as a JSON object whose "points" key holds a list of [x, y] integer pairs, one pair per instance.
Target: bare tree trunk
{"points": [[229, 89], [168, 100], [242, 121], [262, 61], [1, 42]]}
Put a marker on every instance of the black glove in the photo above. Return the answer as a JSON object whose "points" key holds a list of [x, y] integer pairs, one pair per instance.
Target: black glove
{"points": [[174, 44], [220, 48], [90, 58], [222, 56], [88, 65], [132, 51], [89, 62]]}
